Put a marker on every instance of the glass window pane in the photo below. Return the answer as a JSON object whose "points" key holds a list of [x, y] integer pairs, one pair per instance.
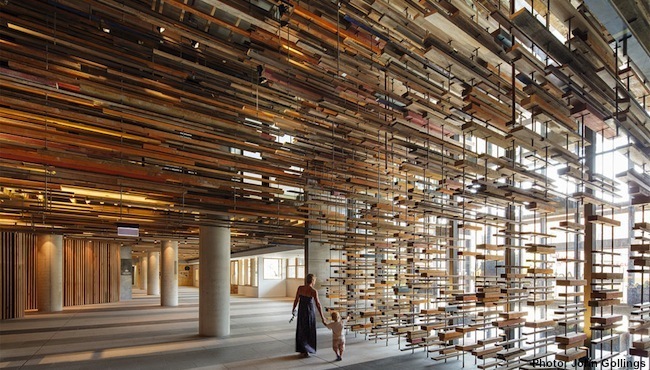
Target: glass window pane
{"points": [[254, 271], [272, 269]]}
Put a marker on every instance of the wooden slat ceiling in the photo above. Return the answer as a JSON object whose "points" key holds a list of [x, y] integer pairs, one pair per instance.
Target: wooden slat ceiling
{"points": [[105, 119]]}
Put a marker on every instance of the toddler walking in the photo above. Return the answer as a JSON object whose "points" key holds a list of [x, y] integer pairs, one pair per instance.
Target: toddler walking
{"points": [[338, 336]]}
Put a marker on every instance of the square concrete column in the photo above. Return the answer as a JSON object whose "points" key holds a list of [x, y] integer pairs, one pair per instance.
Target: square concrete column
{"points": [[49, 279], [153, 272], [214, 281], [316, 256], [126, 275], [169, 278]]}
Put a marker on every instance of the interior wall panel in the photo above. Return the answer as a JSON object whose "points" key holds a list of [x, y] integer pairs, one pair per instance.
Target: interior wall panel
{"points": [[18, 285], [91, 272]]}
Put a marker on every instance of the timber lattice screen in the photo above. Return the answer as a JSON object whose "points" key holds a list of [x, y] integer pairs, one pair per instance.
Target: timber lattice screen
{"points": [[18, 285], [438, 145], [91, 272]]}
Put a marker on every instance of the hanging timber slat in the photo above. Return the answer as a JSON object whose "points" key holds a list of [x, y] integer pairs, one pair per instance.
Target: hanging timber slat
{"points": [[436, 151]]}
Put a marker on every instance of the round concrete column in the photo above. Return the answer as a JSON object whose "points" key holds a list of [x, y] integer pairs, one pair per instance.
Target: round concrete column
{"points": [[214, 281], [153, 272], [143, 272], [169, 279], [136, 272], [49, 272]]}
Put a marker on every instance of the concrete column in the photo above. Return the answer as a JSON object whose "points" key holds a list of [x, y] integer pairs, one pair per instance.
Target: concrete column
{"points": [[136, 272], [49, 279], [126, 276], [169, 278], [316, 256], [143, 273], [214, 281], [153, 272]]}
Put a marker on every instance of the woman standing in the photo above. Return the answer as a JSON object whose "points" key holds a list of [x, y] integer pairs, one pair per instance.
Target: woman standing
{"points": [[306, 328]]}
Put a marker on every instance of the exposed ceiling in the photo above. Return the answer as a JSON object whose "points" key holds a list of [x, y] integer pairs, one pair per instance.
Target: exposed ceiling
{"points": [[627, 21], [265, 115]]}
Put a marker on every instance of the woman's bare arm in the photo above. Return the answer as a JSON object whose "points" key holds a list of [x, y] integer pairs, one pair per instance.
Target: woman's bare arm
{"points": [[320, 310], [295, 301]]}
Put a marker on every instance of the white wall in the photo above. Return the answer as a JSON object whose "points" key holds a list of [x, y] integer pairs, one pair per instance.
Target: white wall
{"points": [[272, 288], [195, 275], [247, 291], [292, 286]]}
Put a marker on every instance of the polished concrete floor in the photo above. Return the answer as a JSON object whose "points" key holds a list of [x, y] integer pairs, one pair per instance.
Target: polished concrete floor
{"points": [[139, 334]]}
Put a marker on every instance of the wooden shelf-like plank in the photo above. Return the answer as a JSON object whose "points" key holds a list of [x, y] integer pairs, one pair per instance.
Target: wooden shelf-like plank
{"points": [[596, 219]]}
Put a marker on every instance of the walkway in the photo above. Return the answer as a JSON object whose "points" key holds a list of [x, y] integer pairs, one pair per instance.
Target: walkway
{"points": [[139, 334]]}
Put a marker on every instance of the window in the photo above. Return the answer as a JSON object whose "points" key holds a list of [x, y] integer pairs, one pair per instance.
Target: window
{"points": [[296, 268], [234, 272], [247, 271], [253, 271], [242, 272], [272, 269]]}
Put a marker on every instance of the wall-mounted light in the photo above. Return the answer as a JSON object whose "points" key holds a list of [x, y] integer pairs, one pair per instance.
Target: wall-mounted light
{"points": [[160, 29], [195, 44]]}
